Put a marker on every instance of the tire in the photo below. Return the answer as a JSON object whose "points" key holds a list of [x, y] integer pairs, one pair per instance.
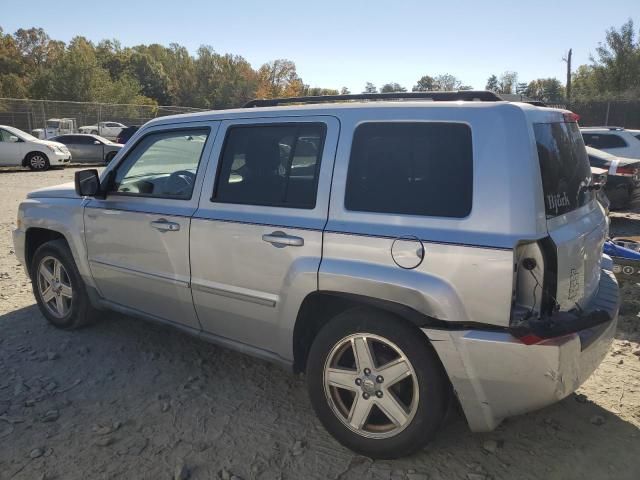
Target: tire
{"points": [[38, 161], [94, 132], [68, 288], [424, 389]]}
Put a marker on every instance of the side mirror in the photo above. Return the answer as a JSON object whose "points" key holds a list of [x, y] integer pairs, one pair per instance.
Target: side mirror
{"points": [[87, 183], [97, 142], [14, 139]]}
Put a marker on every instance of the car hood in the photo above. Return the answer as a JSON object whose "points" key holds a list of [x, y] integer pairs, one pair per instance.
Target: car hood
{"points": [[49, 142], [66, 190]]}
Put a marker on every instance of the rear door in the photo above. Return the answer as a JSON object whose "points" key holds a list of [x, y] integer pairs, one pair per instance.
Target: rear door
{"points": [[256, 239], [575, 220]]}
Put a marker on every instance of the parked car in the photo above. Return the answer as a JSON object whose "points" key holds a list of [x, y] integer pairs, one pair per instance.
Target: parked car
{"points": [[394, 280], [126, 133], [87, 148], [108, 130], [635, 133], [623, 176], [59, 126], [18, 148], [599, 180], [614, 140]]}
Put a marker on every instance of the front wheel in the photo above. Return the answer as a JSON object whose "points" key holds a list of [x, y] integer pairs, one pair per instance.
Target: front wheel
{"points": [[58, 287], [376, 383], [38, 161]]}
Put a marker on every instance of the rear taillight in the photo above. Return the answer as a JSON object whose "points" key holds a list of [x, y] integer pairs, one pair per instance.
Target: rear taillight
{"points": [[626, 171], [534, 287], [570, 117]]}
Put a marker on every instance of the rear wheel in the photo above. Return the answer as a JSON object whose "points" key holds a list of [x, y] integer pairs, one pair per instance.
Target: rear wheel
{"points": [[376, 383], [38, 161], [58, 287]]}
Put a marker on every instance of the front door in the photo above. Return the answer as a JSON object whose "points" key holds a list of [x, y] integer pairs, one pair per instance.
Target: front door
{"points": [[256, 239], [11, 151], [138, 237]]}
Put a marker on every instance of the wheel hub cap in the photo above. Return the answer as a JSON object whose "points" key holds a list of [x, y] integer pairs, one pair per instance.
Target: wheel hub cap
{"points": [[54, 287]]}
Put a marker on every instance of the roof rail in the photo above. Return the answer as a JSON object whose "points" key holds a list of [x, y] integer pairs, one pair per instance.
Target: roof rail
{"points": [[604, 127], [464, 95]]}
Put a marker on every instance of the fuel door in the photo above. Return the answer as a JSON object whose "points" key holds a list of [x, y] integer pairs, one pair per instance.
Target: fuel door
{"points": [[407, 252]]}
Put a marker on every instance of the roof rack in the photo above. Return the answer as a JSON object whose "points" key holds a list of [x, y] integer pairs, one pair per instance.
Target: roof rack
{"points": [[464, 95]]}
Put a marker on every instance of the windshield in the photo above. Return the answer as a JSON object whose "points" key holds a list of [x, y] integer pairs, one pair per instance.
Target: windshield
{"points": [[564, 166], [20, 134], [53, 123]]}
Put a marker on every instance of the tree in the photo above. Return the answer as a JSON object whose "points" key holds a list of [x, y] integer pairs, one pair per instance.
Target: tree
{"points": [[150, 74], [425, 84], [344, 91], [545, 89], [370, 88], [619, 59], [446, 83], [521, 88], [392, 87], [279, 79], [507, 82], [492, 84]]}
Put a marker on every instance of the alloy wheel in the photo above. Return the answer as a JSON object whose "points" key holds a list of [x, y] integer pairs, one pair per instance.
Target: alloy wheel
{"points": [[371, 385], [54, 287]]}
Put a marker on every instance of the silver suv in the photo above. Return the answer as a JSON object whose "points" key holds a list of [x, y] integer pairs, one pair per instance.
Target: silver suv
{"points": [[403, 254]]}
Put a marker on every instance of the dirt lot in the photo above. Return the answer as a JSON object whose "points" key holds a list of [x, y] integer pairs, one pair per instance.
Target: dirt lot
{"points": [[129, 399]]}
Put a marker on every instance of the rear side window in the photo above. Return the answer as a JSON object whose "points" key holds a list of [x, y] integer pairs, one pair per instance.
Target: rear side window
{"points": [[271, 165], [564, 166], [411, 169], [603, 140]]}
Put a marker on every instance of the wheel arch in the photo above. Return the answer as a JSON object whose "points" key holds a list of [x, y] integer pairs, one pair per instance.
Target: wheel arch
{"points": [[25, 160], [320, 307], [34, 238]]}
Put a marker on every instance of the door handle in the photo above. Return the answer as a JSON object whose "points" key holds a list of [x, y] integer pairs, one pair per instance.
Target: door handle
{"points": [[165, 226], [280, 239]]}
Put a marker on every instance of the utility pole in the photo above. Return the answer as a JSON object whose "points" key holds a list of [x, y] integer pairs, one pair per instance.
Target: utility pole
{"points": [[568, 89]]}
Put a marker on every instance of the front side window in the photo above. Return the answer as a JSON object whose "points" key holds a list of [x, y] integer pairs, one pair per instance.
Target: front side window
{"points": [[411, 169], [564, 166], [162, 164], [272, 165], [4, 135]]}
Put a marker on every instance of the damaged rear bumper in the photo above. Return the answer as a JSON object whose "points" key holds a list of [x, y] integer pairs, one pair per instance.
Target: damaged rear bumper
{"points": [[496, 376]]}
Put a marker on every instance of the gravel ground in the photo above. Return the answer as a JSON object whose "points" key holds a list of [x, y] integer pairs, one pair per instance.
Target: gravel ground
{"points": [[130, 399]]}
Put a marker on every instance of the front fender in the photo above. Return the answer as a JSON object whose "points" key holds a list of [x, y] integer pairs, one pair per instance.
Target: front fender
{"points": [[64, 216]]}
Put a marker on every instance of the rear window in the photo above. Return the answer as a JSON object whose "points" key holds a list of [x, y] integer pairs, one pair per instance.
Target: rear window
{"points": [[603, 140], [564, 166], [411, 169]]}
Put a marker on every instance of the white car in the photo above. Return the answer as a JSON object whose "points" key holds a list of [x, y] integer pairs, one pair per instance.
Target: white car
{"points": [[18, 148], [109, 130], [614, 140]]}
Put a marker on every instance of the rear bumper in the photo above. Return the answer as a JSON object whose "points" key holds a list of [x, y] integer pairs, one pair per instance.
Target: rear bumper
{"points": [[496, 376]]}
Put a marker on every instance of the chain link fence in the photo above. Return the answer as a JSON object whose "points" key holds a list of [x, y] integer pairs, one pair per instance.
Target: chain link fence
{"points": [[29, 115], [619, 113]]}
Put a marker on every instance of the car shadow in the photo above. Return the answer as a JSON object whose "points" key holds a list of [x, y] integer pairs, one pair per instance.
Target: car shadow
{"points": [[175, 397]]}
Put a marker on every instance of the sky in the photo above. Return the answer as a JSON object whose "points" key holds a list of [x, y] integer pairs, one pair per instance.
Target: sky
{"points": [[348, 43]]}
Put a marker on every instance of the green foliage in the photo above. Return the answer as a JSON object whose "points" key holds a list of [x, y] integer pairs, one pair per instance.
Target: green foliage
{"points": [[548, 90], [370, 88], [33, 65], [392, 87], [492, 84], [425, 84]]}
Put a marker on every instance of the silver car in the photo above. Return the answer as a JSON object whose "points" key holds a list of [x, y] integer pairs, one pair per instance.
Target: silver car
{"points": [[87, 148], [400, 253]]}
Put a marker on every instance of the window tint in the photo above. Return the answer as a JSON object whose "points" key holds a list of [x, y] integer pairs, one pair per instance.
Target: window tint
{"points": [[564, 166], [80, 140], [603, 140], [637, 135], [162, 165], [411, 168], [275, 165]]}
